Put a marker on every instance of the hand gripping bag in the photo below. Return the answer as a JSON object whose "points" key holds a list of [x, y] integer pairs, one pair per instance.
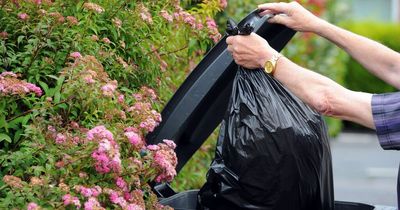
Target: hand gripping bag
{"points": [[272, 152]]}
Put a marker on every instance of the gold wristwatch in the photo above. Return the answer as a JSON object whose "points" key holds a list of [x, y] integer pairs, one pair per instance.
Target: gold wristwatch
{"points": [[270, 65]]}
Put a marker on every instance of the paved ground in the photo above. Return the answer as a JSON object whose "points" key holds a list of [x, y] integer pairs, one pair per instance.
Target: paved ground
{"points": [[363, 171]]}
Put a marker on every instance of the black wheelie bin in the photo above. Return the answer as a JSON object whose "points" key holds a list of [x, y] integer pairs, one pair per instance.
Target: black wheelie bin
{"points": [[199, 105]]}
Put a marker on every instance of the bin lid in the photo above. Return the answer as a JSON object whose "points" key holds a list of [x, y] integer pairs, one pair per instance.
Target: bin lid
{"points": [[200, 103]]}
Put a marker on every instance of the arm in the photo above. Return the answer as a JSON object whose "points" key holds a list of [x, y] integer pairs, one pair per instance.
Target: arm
{"points": [[375, 57], [319, 92], [325, 95]]}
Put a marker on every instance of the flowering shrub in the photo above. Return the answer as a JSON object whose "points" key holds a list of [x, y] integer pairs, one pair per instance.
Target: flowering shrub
{"points": [[81, 85]]}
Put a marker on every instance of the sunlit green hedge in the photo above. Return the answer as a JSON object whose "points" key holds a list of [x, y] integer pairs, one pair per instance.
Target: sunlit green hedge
{"points": [[359, 79]]}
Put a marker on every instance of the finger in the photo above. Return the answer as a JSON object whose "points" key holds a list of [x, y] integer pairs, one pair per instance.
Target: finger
{"points": [[230, 40], [280, 19], [280, 7], [230, 48], [267, 12]]}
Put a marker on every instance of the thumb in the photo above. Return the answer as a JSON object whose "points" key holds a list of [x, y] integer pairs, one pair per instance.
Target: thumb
{"points": [[280, 19]]}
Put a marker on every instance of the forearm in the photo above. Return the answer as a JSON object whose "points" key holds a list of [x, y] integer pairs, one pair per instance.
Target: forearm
{"points": [[375, 57], [325, 95]]}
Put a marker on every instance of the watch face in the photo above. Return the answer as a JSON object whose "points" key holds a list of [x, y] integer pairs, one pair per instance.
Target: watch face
{"points": [[269, 67]]}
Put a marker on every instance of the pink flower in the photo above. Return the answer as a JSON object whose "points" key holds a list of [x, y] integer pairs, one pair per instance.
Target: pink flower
{"points": [[32, 206], [149, 124], [133, 206], [90, 192], [99, 132], [211, 23], [121, 99], [223, 4], [94, 38], [23, 16], [138, 96], [114, 197], [145, 14], [38, 2], [74, 125], [75, 55], [33, 88], [93, 7], [72, 20], [92, 204], [120, 182], [3, 35], [109, 88], [89, 79], [133, 138], [51, 128], [127, 196], [8, 74], [106, 40], [166, 16], [170, 143], [149, 92], [86, 192], [153, 147], [60, 138], [117, 22], [68, 200], [199, 26]]}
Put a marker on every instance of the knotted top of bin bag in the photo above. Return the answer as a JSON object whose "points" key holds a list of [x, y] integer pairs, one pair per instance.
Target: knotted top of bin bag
{"points": [[272, 151]]}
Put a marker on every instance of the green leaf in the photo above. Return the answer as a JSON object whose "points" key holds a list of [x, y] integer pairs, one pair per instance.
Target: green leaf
{"points": [[5, 137], [44, 86]]}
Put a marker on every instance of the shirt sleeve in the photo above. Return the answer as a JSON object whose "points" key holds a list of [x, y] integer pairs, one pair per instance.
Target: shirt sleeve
{"points": [[386, 114]]}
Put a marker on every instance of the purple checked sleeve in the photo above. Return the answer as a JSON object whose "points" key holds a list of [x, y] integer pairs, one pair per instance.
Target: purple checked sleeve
{"points": [[386, 114]]}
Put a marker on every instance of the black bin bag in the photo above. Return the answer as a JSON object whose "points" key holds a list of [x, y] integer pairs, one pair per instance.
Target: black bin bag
{"points": [[272, 151]]}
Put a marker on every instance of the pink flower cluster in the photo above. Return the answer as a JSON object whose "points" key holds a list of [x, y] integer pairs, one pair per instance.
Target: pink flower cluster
{"points": [[23, 16], [107, 156], [3, 35], [126, 200], [165, 160], [120, 182], [75, 55], [89, 192], [188, 18], [92, 204], [166, 16], [109, 88], [134, 138], [89, 75], [60, 138], [223, 4], [145, 14], [68, 199], [213, 30], [32, 206], [11, 85], [93, 7]]}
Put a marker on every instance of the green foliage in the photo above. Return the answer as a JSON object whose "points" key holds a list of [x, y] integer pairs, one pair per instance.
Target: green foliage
{"points": [[359, 79]]}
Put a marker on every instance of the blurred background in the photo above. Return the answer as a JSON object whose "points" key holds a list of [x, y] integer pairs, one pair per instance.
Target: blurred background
{"points": [[363, 171]]}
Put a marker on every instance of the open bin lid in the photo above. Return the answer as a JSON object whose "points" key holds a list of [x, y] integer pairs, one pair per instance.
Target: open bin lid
{"points": [[200, 103]]}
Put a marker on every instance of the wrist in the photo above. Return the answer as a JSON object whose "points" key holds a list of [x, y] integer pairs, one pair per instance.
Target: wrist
{"points": [[266, 54], [321, 27]]}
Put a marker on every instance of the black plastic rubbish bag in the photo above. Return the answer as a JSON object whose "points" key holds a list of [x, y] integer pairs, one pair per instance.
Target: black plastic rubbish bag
{"points": [[272, 151]]}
